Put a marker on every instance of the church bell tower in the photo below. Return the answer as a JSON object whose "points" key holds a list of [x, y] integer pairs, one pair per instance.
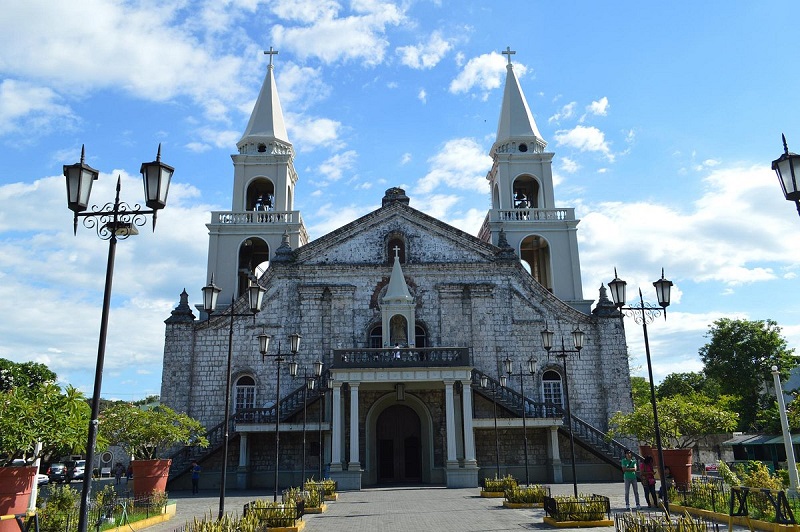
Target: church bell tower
{"points": [[243, 240], [523, 203]]}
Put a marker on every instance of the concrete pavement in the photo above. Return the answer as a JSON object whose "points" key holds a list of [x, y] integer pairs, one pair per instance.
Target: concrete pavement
{"points": [[398, 509]]}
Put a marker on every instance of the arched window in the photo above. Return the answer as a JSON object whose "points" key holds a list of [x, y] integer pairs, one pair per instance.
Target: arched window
{"points": [[551, 388], [376, 337], [253, 260], [420, 336], [245, 393]]}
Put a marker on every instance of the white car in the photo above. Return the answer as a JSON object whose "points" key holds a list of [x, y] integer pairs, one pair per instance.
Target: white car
{"points": [[42, 479]]}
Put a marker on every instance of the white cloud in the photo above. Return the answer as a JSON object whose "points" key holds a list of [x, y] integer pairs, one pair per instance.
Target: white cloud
{"points": [[569, 166], [425, 55], [334, 167], [585, 138], [330, 38], [308, 132], [422, 96], [305, 11], [300, 87], [27, 107], [600, 107], [461, 164], [486, 72], [567, 111], [405, 159]]}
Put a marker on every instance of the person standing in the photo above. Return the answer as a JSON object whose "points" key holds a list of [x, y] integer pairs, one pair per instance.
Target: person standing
{"points": [[629, 476], [119, 469], [648, 477], [196, 469]]}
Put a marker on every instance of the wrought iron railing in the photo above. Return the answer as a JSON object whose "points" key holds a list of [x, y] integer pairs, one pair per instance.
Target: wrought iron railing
{"points": [[401, 357], [512, 400], [290, 405]]}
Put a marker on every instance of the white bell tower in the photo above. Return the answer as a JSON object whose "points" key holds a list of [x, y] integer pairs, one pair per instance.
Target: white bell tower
{"points": [[243, 240], [523, 204]]}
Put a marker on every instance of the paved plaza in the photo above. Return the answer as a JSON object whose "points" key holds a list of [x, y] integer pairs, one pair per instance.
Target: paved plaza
{"points": [[399, 509]]}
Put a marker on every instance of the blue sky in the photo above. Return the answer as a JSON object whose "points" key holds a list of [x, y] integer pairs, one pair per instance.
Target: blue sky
{"points": [[664, 118]]}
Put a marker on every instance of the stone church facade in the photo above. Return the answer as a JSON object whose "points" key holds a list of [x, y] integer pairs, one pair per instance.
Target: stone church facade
{"points": [[406, 315]]}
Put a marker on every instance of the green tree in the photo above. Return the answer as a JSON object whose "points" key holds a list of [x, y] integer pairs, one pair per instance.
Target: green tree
{"points": [[45, 414], [149, 433], [740, 356], [683, 420], [640, 391], [26, 374], [687, 384]]}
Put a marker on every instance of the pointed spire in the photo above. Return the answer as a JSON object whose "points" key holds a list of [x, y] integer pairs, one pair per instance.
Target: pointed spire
{"points": [[397, 290], [284, 253], [266, 122], [516, 121], [182, 313]]}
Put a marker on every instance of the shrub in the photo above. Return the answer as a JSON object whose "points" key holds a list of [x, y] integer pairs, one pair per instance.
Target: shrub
{"points": [[499, 484], [527, 494], [60, 510]]}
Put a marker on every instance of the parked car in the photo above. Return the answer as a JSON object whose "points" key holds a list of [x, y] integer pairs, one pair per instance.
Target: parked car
{"points": [[77, 472], [57, 473], [42, 479]]}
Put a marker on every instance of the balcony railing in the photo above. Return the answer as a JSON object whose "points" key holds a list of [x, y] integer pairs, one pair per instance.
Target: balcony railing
{"points": [[523, 215], [401, 357], [255, 217]]}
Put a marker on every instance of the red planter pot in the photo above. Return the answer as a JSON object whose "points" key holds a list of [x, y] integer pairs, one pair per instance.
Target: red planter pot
{"points": [[16, 484], [680, 463], [149, 476]]}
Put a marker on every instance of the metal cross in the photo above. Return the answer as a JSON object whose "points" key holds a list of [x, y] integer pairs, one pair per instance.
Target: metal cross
{"points": [[508, 51], [396, 250], [272, 52]]}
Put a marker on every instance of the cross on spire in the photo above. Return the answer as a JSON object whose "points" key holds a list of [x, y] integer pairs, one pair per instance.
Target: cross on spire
{"points": [[396, 250], [272, 52], [508, 51]]}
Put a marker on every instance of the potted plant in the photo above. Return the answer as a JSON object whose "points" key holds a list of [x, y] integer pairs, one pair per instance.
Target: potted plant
{"points": [[148, 434], [29, 416]]}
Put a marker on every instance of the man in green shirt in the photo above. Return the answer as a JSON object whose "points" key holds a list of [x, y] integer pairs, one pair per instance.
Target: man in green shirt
{"points": [[629, 475]]}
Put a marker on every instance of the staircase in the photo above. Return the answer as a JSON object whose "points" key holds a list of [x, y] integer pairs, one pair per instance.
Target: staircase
{"points": [[586, 436], [182, 457]]}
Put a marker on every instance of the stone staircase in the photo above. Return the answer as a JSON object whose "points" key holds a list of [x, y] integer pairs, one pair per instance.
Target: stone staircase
{"points": [[586, 436]]}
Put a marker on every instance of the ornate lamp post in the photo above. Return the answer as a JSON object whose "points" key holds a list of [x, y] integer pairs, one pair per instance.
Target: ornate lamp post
{"points": [[112, 221], [787, 166], [255, 297], [645, 314], [294, 347], [509, 367], [324, 387], [787, 435], [310, 384], [485, 384], [577, 340]]}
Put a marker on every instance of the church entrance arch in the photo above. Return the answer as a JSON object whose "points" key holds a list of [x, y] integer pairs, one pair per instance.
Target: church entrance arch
{"points": [[399, 441], [398, 445]]}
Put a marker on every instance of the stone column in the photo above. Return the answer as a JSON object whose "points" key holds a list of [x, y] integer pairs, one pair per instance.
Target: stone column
{"points": [[355, 463], [242, 472], [336, 427], [450, 414], [469, 434], [554, 455]]}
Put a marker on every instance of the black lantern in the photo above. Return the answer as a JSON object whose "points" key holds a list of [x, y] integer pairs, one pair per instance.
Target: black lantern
{"points": [[663, 287], [255, 296], [617, 287], [263, 343], [210, 294], [80, 177], [294, 343], [156, 176], [786, 167]]}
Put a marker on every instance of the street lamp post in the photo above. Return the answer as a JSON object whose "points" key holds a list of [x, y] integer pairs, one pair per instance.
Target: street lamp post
{"points": [[787, 435], [577, 340], [255, 297], [485, 384], [112, 221], [324, 387], [784, 166], [509, 367], [645, 314], [294, 347], [310, 384]]}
